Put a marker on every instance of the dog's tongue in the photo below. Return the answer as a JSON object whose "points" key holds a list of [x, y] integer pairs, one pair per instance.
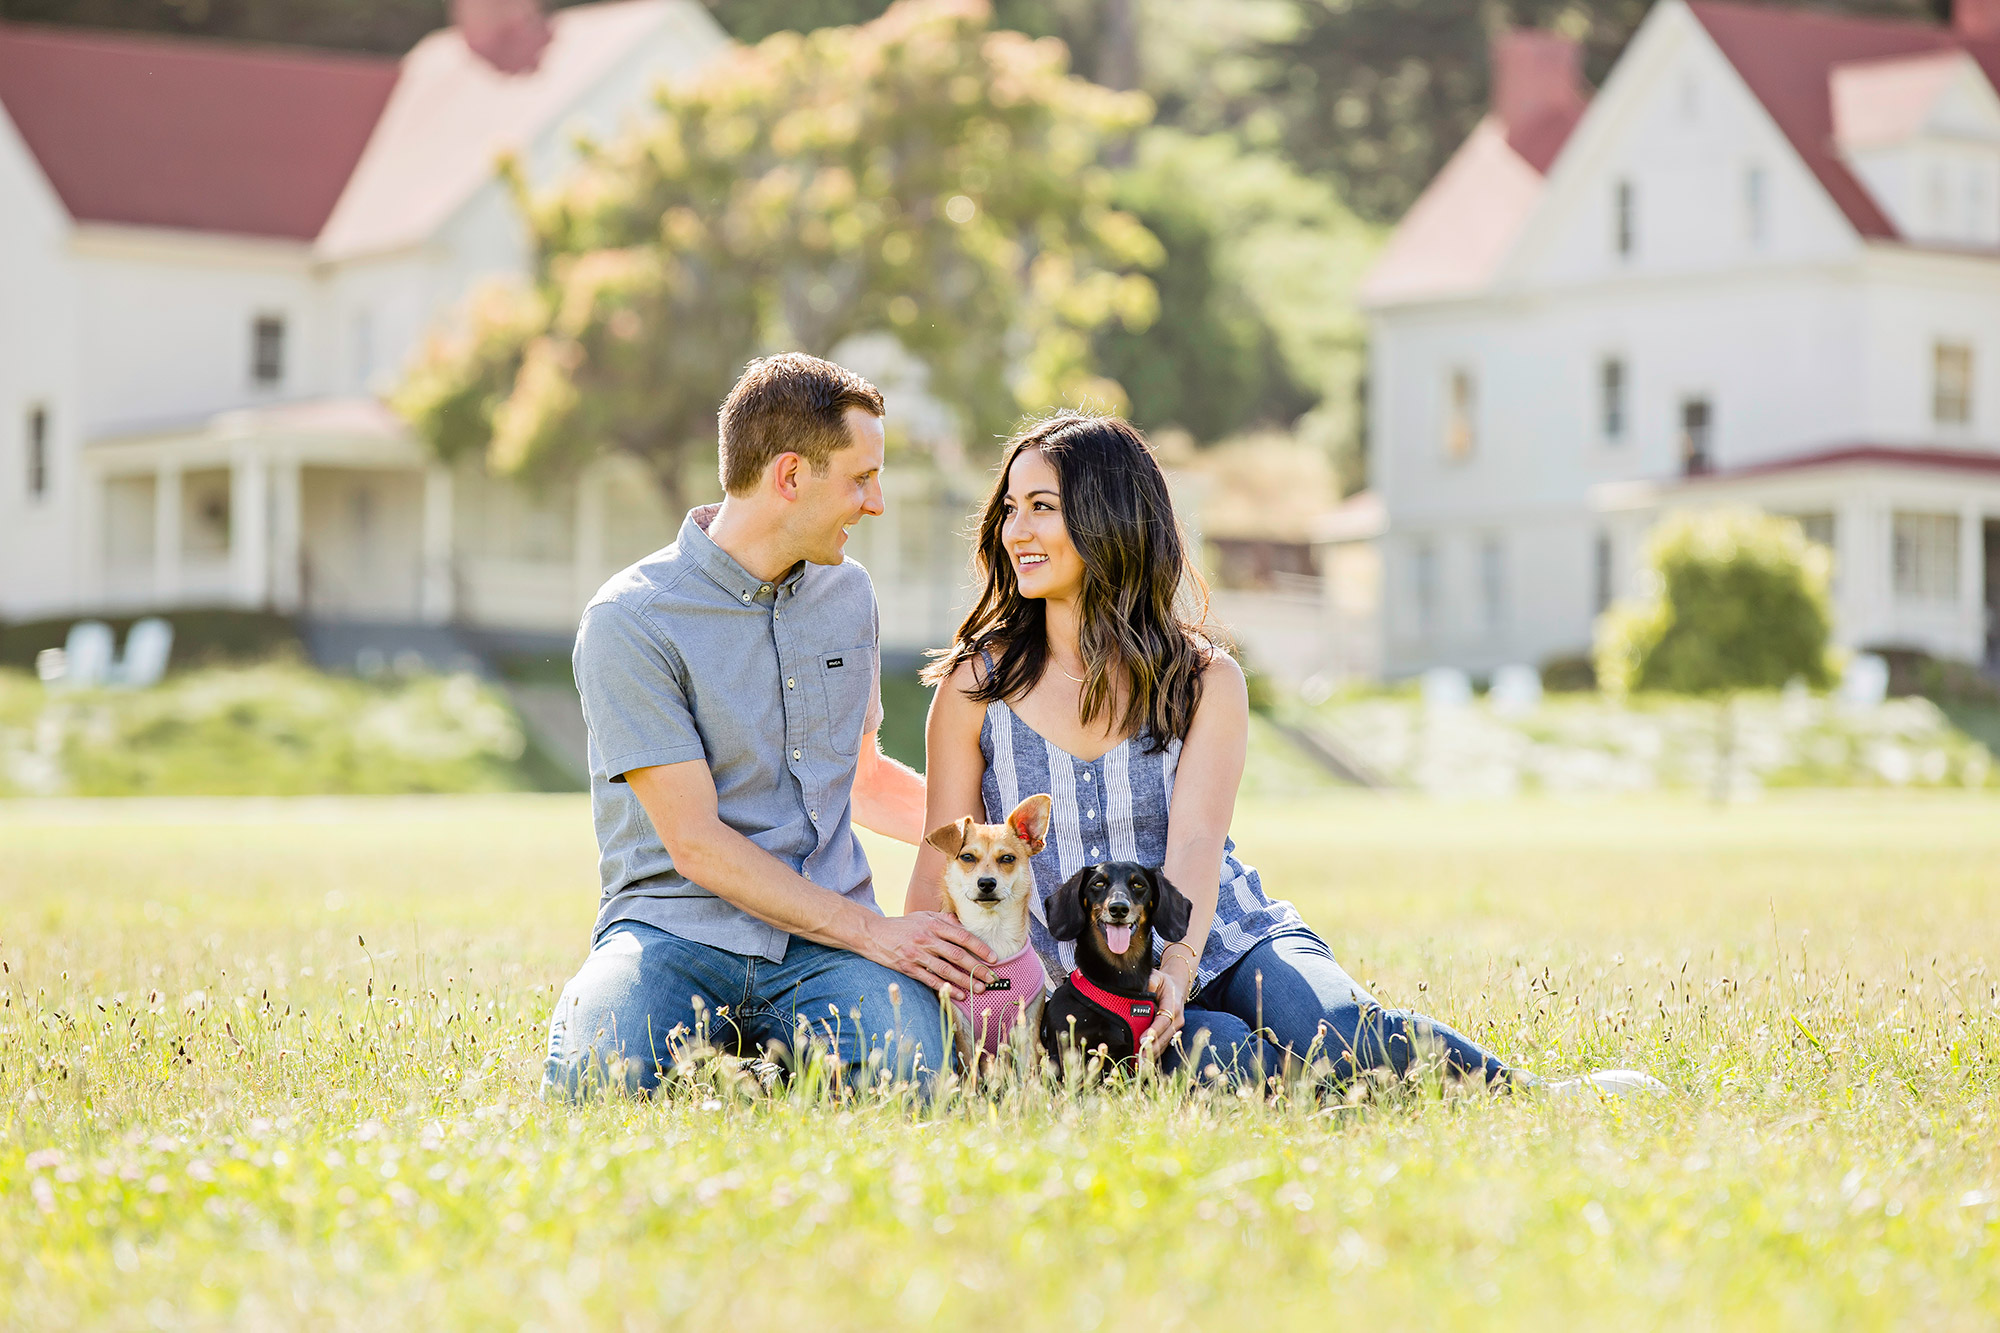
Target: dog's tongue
{"points": [[1118, 937]]}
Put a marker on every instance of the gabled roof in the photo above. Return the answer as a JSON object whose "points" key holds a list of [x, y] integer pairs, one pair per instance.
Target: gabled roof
{"points": [[1788, 58], [453, 115], [1453, 238], [1863, 455], [171, 132]]}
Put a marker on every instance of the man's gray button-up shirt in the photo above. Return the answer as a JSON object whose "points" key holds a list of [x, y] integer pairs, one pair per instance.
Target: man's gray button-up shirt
{"points": [[686, 656]]}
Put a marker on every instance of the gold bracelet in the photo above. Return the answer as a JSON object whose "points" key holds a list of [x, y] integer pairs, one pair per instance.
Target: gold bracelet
{"points": [[1194, 967]]}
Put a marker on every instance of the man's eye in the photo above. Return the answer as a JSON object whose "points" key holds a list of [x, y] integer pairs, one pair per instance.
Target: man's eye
{"points": [[967, 857], [1006, 858]]}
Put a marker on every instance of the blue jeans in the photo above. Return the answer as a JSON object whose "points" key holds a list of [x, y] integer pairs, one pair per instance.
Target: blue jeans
{"points": [[1309, 1005], [643, 993]]}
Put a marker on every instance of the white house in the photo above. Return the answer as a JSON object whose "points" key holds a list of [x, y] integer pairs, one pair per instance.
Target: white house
{"points": [[1760, 266], [213, 261]]}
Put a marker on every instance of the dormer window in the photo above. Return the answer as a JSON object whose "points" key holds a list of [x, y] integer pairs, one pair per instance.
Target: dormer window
{"points": [[1922, 132]]}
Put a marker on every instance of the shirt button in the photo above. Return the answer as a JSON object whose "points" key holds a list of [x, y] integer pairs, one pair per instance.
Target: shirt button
{"points": [[1090, 814], [746, 596], [813, 815], [765, 588], [790, 683], [1093, 851], [1086, 775], [795, 754]]}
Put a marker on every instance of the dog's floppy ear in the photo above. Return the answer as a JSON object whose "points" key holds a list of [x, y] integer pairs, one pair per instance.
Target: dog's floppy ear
{"points": [[1066, 914], [1030, 822], [1172, 912], [951, 837]]}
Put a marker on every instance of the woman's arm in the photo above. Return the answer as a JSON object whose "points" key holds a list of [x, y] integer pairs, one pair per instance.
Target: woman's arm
{"points": [[888, 796], [953, 769], [1210, 767]]}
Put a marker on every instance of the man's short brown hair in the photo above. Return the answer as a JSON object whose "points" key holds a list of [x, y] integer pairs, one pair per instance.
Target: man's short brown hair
{"points": [[788, 404]]}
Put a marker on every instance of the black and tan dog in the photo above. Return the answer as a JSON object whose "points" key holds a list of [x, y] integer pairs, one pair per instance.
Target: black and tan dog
{"points": [[1112, 911]]}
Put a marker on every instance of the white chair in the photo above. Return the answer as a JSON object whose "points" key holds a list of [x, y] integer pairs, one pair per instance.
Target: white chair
{"points": [[87, 656], [1866, 683], [1517, 690], [1446, 689], [148, 645]]}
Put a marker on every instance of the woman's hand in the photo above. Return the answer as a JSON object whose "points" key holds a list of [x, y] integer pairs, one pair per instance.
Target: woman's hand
{"points": [[1169, 986]]}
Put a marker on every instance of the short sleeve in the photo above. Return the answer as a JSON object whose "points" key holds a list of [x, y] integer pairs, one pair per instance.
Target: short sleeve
{"points": [[634, 699], [872, 723]]}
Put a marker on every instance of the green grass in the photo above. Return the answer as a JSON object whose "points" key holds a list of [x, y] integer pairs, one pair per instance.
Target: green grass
{"points": [[217, 1109]]}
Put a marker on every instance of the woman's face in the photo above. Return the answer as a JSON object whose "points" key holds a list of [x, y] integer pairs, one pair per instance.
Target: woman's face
{"points": [[1046, 563]]}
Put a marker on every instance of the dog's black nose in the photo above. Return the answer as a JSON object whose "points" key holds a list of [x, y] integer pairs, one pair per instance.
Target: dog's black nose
{"points": [[988, 884], [1118, 911]]}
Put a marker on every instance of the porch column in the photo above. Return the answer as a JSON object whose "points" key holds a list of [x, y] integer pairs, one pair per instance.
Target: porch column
{"points": [[167, 534], [1972, 582], [287, 537], [249, 530], [589, 552], [437, 596], [92, 558], [1861, 574]]}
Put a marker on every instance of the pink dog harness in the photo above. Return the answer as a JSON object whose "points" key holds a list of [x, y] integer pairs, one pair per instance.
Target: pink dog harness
{"points": [[992, 1013]]}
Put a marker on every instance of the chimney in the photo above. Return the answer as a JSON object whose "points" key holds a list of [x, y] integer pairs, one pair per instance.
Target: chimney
{"points": [[1976, 19], [509, 35], [1538, 90]]}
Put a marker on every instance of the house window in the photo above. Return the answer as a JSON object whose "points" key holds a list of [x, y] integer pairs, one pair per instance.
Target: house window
{"points": [[1755, 206], [38, 451], [1951, 384], [1601, 574], [1424, 573], [1697, 430], [1493, 584], [267, 349], [1624, 228], [1924, 548], [1461, 435], [1611, 399]]}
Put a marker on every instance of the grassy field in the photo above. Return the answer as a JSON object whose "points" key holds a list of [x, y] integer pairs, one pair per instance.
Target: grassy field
{"points": [[219, 1108]]}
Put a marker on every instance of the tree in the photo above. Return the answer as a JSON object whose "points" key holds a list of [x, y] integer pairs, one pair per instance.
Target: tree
{"points": [[922, 175], [1737, 601]]}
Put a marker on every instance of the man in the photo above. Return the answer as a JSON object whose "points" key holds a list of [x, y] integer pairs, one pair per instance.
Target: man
{"points": [[732, 688]]}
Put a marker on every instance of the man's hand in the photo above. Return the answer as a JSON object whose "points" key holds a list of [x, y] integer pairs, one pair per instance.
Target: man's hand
{"points": [[932, 948]]}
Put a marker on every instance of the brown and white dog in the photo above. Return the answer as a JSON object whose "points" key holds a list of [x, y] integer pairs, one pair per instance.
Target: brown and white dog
{"points": [[989, 885]]}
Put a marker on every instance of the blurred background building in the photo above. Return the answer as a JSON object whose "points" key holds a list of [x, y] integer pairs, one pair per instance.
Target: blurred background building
{"points": [[1759, 267]]}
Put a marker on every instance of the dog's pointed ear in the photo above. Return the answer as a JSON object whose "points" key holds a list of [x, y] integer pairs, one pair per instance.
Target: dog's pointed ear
{"points": [[951, 837], [1172, 912], [1066, 914], [1030, 822]]}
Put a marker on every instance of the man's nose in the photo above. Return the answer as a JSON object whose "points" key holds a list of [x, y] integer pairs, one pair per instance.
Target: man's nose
{"points": [[871, 500]]}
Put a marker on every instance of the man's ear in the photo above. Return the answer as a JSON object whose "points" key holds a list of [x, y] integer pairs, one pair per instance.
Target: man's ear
{"points": [[785, 469], [1030, 822], [1172, 912], [951, 837], [1065, 910]]}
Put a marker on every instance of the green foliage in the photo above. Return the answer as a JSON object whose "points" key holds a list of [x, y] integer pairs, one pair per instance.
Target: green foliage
{"points": [[271, 730], [923, 175], [1740, 603]]}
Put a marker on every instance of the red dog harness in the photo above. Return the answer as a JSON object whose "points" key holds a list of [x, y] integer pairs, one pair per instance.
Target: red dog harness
{"points": [[1136, 1014]]}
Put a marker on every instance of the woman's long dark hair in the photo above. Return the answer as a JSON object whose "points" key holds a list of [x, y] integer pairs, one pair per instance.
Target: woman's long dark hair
{"points": [[1144, 609]]}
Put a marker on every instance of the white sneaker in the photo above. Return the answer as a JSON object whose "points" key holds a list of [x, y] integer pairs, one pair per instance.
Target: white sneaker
{"points": [[1604, 1083]]}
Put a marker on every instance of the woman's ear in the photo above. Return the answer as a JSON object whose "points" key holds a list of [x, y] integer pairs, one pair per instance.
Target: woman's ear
{"points": [[1172, 912], [950, 837], [1030, 822], [1066, 914]]}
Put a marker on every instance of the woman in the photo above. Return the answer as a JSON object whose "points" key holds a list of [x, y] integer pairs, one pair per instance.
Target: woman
{"points": [[1083, 672]]}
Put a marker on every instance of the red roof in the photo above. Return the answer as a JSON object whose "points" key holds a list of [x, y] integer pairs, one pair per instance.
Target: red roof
{"points": [[1787, 57], [1880, 455], [168, 132]]}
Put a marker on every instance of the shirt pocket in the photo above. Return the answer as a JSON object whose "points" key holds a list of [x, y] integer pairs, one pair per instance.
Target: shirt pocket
{"points": [[847, 682]]}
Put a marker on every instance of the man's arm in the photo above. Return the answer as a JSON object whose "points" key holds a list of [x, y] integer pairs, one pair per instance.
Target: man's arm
{"points": [[888, 796], [927, 946]]}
